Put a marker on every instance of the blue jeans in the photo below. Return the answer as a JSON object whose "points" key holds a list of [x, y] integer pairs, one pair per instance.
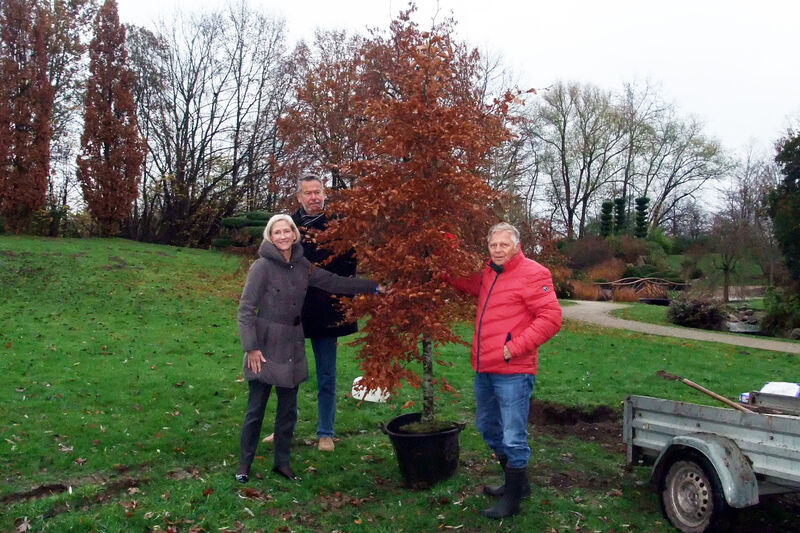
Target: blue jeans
{"points": [[325, 361], [502, 402]]}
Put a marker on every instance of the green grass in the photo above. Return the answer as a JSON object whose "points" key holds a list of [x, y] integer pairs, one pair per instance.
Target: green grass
{"points": [[747, 271], [121, 401]]}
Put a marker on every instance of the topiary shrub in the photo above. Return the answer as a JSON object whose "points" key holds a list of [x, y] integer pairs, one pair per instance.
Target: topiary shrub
{"points": [[258, 216], [235, 222], [256, 232], [697, 312]]}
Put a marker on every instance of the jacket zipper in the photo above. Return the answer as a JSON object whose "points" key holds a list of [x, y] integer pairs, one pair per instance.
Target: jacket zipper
{"points": [[480, 324]]}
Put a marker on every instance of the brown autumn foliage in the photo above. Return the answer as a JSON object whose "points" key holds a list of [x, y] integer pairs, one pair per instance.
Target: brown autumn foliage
{"points": [[609, 270], [584, 290], [419, 207], [110, 162], [540, 242], [624, 294], [321, 128], [26, 99]]}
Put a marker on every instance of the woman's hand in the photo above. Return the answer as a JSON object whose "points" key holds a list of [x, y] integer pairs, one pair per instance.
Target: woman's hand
{"points": [[381, 289], [254, 360]]}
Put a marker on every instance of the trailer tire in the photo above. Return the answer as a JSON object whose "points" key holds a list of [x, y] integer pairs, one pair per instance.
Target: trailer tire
{"points": [[691, 494]]}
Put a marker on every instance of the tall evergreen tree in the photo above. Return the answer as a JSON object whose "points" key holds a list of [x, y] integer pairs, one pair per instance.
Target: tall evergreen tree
{"points": [[112, 152], [26, 99], [784, 204]]}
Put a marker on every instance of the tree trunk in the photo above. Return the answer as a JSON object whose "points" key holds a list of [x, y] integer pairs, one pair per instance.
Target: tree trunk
{"points": [[427, 381], [726, 285]]}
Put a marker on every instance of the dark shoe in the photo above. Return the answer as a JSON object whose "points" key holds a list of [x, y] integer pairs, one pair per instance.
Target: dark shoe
{"points": [[241, 478], [508, 505], [285, 471]]}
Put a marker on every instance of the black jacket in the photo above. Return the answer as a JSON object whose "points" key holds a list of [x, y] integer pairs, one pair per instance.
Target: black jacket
{"points": [[322, 316]]}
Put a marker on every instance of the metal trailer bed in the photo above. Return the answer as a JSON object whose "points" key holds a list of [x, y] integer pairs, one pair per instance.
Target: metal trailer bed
{"points": [[709, 459]]}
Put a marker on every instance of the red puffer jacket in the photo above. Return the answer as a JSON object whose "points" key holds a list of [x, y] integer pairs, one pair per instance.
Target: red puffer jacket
{"points": [[517, 307]]}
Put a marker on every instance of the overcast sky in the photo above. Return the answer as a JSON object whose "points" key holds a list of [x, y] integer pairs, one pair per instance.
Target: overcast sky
{"points": [[733, 64]]}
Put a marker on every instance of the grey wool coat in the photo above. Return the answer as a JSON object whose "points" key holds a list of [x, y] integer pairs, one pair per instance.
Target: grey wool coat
{"points": [[270, 307]]}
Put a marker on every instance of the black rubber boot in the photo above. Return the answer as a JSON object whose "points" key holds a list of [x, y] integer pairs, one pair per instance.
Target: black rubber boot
{"points": [[516, 478], [497, 490]]}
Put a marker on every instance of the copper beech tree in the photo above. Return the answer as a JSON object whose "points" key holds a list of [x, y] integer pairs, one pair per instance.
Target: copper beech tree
{"points": [[26, 99], [110, 162], [418, 196]]}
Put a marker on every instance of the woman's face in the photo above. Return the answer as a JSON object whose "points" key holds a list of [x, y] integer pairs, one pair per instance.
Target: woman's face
{"points": [[282, 235]]}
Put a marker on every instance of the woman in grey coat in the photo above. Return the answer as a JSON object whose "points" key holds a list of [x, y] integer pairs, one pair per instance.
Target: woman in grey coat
{"points": [[272, 335]]}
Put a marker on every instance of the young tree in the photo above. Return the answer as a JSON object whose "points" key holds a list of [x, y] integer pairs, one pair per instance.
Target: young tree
{"points": [[418, 192], [25, 102], [110, 163]]}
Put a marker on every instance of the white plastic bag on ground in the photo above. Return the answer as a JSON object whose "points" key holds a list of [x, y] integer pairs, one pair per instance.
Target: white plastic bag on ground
{"points": [[359, 393]]}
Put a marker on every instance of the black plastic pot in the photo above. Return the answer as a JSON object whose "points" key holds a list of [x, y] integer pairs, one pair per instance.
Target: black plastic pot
{"points": [[424, 458]]}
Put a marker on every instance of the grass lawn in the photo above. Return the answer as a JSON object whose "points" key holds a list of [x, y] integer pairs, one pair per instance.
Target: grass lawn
{"points": [[121, 399]]}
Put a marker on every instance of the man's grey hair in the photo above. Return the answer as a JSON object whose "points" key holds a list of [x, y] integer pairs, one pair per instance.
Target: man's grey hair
{"points": [[504, 226], [308, 177]]}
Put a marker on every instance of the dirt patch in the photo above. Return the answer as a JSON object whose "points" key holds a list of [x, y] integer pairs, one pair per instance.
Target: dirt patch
{"points": [[116, 263], [600, 424], [110, 488], [8, 253]]}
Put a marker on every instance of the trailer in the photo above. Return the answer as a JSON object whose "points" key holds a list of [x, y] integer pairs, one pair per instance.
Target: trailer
{"points": [[707, 460]]}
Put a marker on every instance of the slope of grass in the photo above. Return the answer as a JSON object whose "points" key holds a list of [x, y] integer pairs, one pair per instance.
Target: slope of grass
{"points": [[121, 400]]}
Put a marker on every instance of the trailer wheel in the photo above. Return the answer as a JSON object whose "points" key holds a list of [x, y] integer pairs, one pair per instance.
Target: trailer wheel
{"points": [[691, 494]]}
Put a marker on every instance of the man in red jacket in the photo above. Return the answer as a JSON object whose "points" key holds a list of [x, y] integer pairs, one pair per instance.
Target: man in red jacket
{"points": [[517, 312]]}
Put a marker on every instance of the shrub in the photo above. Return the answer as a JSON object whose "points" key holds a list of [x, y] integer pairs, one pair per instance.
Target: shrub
{"points": [[630, 249], [657, 236], [640, 271], [221, 242], [235, 222], [783, 311], [697, 312], [582, 290], [259, 216], [587, 252], [561, 282], [690, 269], [624, 294], [256, 232], [608, 270]]}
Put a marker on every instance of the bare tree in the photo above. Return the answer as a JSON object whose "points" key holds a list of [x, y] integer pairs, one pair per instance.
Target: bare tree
{"points": [[677, 161], [211, 128], [582, 134]]}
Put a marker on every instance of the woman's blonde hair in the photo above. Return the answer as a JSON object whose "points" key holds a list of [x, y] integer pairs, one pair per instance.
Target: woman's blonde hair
{"points": [[278, 218]]}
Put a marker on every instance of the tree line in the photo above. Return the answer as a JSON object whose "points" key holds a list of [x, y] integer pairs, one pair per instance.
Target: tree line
{"points": [[158, 134]]}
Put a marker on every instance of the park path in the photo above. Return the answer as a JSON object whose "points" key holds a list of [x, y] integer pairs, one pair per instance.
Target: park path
{"points": [[598, 313]]}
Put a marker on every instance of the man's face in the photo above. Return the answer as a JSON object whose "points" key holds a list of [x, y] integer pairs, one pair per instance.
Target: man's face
{"points": [[311, 196], [501, 247]]}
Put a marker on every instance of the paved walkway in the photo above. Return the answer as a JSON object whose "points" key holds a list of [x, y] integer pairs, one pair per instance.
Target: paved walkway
{"points": [[599, 313]]}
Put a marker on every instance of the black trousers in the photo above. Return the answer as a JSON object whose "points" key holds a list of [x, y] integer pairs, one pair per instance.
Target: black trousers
{"points": [[285, 421]]}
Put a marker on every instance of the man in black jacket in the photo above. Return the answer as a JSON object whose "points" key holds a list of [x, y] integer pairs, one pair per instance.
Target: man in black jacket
{"points": [[322, 317]]}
